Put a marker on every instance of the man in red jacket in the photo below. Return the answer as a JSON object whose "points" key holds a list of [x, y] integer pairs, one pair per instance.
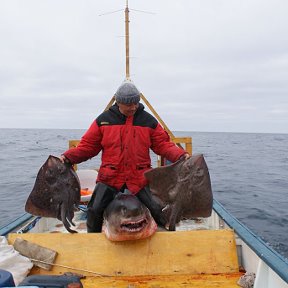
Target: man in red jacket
{"points": [[125, 133]]}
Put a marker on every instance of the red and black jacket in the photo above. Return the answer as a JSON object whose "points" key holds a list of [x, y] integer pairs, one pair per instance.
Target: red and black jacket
{"points": [[125, 143]]}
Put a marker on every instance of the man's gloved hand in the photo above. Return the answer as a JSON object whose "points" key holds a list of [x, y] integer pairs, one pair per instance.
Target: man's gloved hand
{"points": [[64, 160], [185, 156]]}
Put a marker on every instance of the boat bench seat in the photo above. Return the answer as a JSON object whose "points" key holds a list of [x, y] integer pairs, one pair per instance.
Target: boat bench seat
{"points": [[201, 258]]}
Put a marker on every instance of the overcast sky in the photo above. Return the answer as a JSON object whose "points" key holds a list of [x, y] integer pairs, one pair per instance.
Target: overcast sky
{"points": [[205, 65]]}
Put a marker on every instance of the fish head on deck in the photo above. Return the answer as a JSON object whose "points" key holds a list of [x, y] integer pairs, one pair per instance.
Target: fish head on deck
{"points": [[56, 192], [127, 218]]}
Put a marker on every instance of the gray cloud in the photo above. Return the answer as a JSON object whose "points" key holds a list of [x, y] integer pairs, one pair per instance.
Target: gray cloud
{"points": [[204, 65]]}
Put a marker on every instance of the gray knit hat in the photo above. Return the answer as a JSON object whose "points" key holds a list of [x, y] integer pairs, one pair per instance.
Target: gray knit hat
{"points": [[127, 93]]}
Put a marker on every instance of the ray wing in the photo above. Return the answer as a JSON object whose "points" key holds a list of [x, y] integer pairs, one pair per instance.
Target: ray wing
{"points": [[185, 186], [56, 192]]}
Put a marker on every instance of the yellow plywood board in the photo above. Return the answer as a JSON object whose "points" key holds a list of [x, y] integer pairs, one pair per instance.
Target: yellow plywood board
{"points": [[165, 253], [191, 281]]}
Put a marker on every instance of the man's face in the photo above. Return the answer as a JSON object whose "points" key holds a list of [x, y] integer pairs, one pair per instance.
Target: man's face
{"points": [[128, 109]]}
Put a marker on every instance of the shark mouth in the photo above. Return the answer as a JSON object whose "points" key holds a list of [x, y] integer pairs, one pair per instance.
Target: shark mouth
{"points": [[134, 226]]}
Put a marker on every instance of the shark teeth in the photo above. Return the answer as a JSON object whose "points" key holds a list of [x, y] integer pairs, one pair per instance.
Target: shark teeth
{"points": [[134, 226]]}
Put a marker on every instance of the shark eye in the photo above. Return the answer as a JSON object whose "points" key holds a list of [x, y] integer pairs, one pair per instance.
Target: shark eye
{"points": [[123, 210]]}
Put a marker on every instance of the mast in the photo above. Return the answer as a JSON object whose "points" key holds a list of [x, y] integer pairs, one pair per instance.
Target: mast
{"points": [[127, 40], [177, 140]]}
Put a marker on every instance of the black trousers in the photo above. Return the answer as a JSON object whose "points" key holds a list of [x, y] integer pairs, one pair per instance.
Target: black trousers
{"points": [[145, 196], [104, 194]]}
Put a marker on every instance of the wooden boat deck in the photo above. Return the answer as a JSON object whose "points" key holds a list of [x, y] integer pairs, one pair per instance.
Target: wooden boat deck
{"points": [[159, 281], [202, 258]]}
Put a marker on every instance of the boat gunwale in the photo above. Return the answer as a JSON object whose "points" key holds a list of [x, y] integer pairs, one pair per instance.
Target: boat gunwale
{"points": [[19, 222], [266, 253]]}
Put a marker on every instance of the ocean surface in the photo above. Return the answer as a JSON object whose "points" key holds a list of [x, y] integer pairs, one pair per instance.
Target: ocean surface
{"points": [[249, 174]]}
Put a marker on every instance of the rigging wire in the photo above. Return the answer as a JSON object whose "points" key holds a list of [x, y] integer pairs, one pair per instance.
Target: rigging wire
{"points": [[147, 12], [110, 12]]}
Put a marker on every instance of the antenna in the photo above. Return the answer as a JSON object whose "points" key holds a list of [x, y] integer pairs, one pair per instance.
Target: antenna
{"points": [[127, 41], [127, 36]]}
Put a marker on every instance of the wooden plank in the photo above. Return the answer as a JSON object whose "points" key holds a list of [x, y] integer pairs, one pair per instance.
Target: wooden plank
{"points": [[73, 143], [111, 102], [165, 253], [191, 281], [186, 140], [157, 116], [182, 140]]}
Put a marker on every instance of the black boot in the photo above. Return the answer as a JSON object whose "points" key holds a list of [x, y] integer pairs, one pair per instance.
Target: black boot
{"points": [[102, 196], [145, 196]]}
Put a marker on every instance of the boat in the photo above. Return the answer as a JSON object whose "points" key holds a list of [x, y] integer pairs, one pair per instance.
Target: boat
{"points": [[218, 251], [208, 252]]}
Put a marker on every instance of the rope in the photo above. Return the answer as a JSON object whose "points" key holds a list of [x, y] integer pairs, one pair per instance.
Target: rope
{"points": [[72, 268]]}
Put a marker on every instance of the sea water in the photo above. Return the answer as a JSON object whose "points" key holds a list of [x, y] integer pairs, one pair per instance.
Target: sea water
{"points": [[249, 174]]}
